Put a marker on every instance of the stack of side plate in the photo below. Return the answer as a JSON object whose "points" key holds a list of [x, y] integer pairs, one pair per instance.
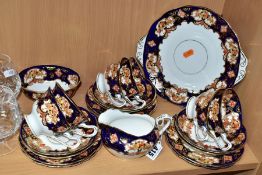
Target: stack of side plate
{"points": [[50, 154], [203, 157]]}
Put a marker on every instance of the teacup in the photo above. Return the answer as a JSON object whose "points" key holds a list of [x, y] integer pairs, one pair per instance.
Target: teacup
{"points": [[67, 106], [214, 118], [111, 83], [128, 86], [139, 78], [131, 135], [50, 114], [114, 98], [200, 131], [230, 113], [196, 109]]}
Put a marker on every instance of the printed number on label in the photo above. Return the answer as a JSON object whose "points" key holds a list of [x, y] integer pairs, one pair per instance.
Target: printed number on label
{"points": [[153, 154]]}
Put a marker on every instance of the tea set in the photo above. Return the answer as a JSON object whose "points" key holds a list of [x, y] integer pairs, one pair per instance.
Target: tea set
{"points": [[190, 56]]}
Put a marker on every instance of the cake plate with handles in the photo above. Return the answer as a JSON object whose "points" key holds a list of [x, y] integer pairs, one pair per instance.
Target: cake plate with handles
{"points": [[186, 45]]}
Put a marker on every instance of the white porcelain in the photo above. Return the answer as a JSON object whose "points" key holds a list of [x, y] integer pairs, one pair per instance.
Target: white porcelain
{"points": [[242, 66], [223, 138], [128, 122], [142, 102], [56, 143], [43, 86], [202, 65], [103, 87]]}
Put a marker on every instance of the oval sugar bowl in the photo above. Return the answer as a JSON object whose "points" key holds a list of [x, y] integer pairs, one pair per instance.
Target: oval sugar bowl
{"points": [[131, 135]]}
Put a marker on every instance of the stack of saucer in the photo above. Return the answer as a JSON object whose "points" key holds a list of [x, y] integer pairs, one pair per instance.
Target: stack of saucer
{"points": [[58, 133], [122, 86], [209, 132]]}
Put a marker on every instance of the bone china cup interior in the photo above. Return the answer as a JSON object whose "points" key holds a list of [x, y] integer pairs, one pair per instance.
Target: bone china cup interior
{"points": [[37, 79], [131, 135]]}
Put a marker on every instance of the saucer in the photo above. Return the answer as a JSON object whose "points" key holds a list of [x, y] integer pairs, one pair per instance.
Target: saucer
{"points": [[63, 161]]}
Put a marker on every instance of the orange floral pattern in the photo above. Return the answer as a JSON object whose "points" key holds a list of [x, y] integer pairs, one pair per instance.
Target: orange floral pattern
{"points": [[35, 76], [64, 105], [50, 111], [138, 147]]}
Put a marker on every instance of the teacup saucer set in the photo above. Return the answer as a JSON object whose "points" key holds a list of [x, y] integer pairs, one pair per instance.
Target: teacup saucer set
{"points": [[190, 56]]}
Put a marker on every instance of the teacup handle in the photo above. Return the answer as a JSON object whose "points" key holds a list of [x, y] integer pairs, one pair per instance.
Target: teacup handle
{"points": [[121, 102], [229, 144], [54, 139], [118, 102], [70, 137], [160, 120], [201, 129], [224, 138], [137, 98], [141, 101], [83, 125]]}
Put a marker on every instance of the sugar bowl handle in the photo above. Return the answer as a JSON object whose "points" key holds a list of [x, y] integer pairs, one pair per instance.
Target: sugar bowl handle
{"points": [[161, 124]]}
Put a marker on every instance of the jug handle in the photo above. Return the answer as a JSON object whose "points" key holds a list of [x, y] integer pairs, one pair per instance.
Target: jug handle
{"points": [[161, 119]]}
